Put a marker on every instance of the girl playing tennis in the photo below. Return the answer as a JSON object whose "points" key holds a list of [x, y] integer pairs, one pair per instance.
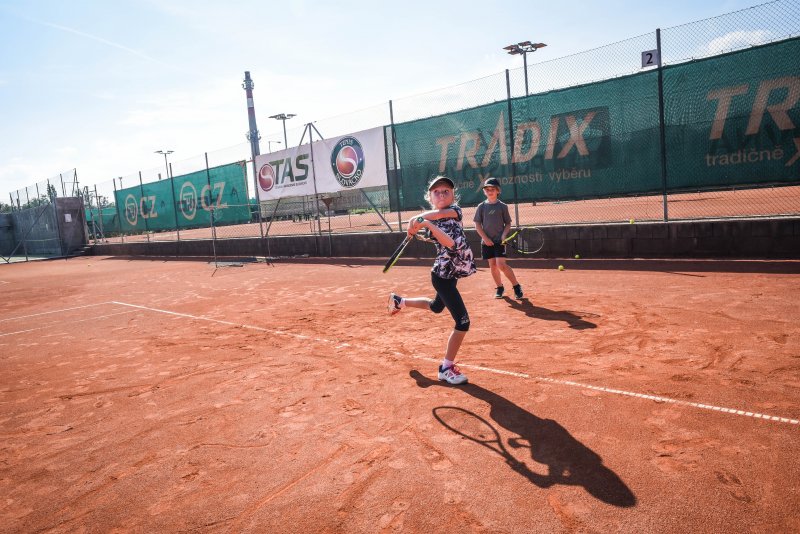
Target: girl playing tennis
{"points": [[453, 261]]}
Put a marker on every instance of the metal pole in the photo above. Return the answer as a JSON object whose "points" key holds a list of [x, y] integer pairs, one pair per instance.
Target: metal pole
{"points": [[61, 250], [211, 212], [63, 189], [511, 138], [525, 63], [139, 207], [662, 126], [100, 211], [285, 142], [175, 208], [313, 173], [398, 173], [116, 203]]}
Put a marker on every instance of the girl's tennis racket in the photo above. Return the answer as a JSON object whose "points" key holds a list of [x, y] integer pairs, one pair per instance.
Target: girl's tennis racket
{"points": [[397, 253], [526, 240], [399, 250]]}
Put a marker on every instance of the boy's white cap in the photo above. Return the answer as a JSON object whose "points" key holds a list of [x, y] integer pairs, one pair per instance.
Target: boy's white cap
{"points": [[439, 179]]}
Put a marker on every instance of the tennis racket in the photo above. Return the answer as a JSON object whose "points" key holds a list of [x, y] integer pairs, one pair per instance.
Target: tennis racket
{"points": [[399, 250], [397, 253], [526, 240]]}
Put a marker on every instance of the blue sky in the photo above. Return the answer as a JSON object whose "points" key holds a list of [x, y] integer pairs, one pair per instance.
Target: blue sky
{"points": [[100, 85]]}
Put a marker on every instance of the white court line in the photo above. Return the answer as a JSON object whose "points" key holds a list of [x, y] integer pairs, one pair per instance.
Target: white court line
{"points": [[54, 311], [70, 322], [570, 383], [4, 282]]}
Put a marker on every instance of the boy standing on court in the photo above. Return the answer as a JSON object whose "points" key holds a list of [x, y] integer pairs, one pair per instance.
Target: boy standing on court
{"points": [[493, 223]]}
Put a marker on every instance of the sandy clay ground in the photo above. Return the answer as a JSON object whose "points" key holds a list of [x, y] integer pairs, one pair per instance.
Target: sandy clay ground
{"points": [[628, 396]]}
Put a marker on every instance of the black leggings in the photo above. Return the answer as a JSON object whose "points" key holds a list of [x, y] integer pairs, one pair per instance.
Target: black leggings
{"points": [[447, 296]]}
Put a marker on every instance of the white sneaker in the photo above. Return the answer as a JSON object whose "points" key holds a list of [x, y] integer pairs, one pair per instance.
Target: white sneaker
{"points": [[452, 375], [393, 305]]}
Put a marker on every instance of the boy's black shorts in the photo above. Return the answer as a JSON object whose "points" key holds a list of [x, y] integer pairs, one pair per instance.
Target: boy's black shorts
{"points": [[494, 251]]}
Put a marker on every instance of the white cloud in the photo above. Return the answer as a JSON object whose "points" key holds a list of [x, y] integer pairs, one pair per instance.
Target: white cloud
{"points": [[735, 41]]}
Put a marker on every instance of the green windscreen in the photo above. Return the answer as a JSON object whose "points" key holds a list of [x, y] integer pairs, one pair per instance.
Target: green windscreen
{"points": [[603, 139], [734, 119], [186, 201]]}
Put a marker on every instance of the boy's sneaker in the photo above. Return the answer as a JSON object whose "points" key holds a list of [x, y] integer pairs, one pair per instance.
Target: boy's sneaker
{"points": [[394, 304], [498, 294], [518, 292], [452, 375]]}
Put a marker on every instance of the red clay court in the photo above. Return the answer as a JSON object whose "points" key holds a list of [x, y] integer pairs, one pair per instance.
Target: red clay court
{"points": [[621, 396]]}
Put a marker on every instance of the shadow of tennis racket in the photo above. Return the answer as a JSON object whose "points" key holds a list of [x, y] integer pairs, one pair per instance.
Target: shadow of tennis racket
{"points": [[477, 429]]}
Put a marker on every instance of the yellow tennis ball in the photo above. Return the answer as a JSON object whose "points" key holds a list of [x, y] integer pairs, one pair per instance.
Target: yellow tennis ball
{"points": [[577, 256], [631, 221], [560, 267]]}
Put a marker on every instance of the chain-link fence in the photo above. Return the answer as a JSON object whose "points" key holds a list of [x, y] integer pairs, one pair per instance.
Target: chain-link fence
{"points": [[43, 220], [606, 135]]}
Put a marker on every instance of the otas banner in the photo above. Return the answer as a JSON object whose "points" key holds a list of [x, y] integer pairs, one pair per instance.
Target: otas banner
{"points": [[186, 201], [327, 166], [729, 120]]}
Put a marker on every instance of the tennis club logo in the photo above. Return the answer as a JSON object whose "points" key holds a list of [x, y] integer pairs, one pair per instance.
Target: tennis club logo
{"points": [[188, 200], [266, 177], [131, 210], [347, 161]]}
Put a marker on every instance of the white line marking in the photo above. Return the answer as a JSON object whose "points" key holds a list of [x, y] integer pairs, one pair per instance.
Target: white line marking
{"points": [[70, 322], [4, 282], [525, 376], [54, 311]]}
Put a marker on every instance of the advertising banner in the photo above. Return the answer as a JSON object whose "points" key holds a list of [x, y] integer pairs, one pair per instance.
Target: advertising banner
{"points": [[186, 201], [351, 161]]}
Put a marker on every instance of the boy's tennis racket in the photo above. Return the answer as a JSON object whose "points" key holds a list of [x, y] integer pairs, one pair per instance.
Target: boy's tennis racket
{"points": [[527, 240]]}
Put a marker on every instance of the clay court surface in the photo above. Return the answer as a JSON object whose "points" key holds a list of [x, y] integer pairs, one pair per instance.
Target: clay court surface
{"points": [[629, 396]]}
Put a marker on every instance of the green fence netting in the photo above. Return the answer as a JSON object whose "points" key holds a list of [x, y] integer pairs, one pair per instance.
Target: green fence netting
{"points": [[185, 202], [730, 120], [734, 119]]}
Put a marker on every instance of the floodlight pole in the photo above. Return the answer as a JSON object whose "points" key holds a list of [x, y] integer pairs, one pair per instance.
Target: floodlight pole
{"points": [[283, 117], [524, 48], [166, 163]]}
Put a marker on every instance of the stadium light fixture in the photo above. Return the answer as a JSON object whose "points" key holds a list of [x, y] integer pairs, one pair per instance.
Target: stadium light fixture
{"points": [[166, 164], [524, 48], [283, 117]]}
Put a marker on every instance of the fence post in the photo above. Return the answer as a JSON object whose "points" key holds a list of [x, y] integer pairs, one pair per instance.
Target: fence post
{"points": [[100, 212], [398, 172], [211, 211], [55, 216], [140, 209], [511, 140], [175, 207], [662, 126], [119, 215]]}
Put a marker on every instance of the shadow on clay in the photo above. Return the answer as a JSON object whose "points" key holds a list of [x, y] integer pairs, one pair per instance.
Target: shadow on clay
{"points": [[568, 461], [537, 312]]}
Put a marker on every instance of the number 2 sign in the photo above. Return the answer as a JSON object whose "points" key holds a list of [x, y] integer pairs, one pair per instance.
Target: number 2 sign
{"points": [[650, 58]]}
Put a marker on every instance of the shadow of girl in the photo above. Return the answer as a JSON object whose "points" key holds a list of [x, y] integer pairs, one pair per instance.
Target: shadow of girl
{"points": [[568, 460]]}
